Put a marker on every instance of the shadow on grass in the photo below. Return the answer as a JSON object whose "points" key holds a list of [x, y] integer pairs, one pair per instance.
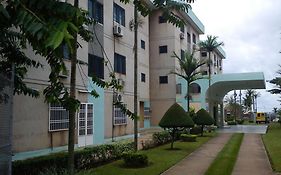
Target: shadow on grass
{"points": [[122, 165], [173, 149]]}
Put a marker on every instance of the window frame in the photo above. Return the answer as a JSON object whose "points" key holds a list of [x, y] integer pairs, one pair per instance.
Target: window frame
{"points": [[123, 118], [143, 44], [163, 79], [161, 20], [59, 108], [98, 66], [94, 7], [143, 77], [119, 63], [188, 36], [194, 39], [120, 13], [163, 49]]}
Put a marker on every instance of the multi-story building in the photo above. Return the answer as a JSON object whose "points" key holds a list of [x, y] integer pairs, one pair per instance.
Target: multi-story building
{"points": [[42, 127]]}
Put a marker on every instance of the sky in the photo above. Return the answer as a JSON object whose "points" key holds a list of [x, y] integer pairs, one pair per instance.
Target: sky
{"points": [[251, 32]]}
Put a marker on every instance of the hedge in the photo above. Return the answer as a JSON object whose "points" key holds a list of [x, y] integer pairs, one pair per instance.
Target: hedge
{"points": [[84, 159]]}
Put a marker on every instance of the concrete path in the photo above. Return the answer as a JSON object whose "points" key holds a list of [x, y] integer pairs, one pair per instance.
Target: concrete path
{"points": [[255, 129], [198, 162], [252, 157]]}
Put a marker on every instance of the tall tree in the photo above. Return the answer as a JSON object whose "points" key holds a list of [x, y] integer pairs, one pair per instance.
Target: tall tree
{"points": [[188, 70], [209, 45]]}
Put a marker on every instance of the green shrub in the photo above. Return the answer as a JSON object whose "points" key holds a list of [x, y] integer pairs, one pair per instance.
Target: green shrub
{"points": [[231, 123], [188, 138], [174, 120], [195, 130], [135, 159], [160, 138], [84, 159], [53, 171], [203, 118], [240, 121]]}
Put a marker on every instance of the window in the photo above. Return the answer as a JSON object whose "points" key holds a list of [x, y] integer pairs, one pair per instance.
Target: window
{"points": [[58, 118], [85, 119], [178, 88], [203, 54], [118, 14], [195, 88], [182, 54], [119, 63], [193, 38], [162, 19], [120, 117], [163, 79], [95, 10], [188, 38], [142, 77], [204, 73], [163, 49], [146, 111], [182, 29], [142, 44], [95, 66]]}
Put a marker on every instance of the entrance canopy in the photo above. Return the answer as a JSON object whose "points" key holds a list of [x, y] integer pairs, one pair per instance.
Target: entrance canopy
{"points": [[223, 83]]}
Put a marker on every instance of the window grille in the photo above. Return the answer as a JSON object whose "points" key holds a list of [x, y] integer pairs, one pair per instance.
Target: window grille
{"points": [[120, 117], [58, 118]]}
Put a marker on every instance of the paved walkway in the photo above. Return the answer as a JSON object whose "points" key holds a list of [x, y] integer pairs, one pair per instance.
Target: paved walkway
{"points": [[252, 157], [198, 161], [255, 129]]}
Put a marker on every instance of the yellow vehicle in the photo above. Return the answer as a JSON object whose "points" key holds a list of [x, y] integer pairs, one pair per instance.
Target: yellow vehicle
{"points": [[261, 117]]}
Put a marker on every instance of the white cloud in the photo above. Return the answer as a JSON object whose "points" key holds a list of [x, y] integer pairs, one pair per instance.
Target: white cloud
{"points": [[251, 31]]}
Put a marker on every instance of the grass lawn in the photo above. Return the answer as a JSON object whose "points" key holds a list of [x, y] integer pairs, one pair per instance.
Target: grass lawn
{"points": [[225, 160], [160, 159], [246, 122], [272, 142]]}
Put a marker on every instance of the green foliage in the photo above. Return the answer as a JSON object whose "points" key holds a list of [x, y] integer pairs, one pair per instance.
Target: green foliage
{"points": [[272, 142], [240, 121], [232, 122], [188, 137], [176, 117], [54, 171], [195, 130], [277, 83], [160, 159], [203, 118], [135, 160], [160, 138], [210, 44], [84, 159]]}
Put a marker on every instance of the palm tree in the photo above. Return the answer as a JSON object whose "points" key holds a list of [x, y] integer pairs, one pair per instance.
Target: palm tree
{"points": [[188, 66], [209, 45]]}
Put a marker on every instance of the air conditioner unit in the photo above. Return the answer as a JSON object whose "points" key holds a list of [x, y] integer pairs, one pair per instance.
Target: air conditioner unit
{"points": [[117, 31], [64, 74], [121, 82], [181, 36]]}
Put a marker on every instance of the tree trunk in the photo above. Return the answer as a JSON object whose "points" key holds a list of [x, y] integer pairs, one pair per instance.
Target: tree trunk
{"points": [[71, 128], [173, 138], [202, 129], [135, 76]]}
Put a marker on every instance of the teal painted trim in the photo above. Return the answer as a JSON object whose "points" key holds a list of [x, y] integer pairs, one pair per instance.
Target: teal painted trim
{"points": [[146, 123], [221, 51], [196, 20], [98, 112], [37, 153], [146, 104]]}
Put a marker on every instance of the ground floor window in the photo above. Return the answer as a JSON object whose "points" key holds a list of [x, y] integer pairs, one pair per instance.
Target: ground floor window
{"points": [[120, 117], [58, 118]]}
